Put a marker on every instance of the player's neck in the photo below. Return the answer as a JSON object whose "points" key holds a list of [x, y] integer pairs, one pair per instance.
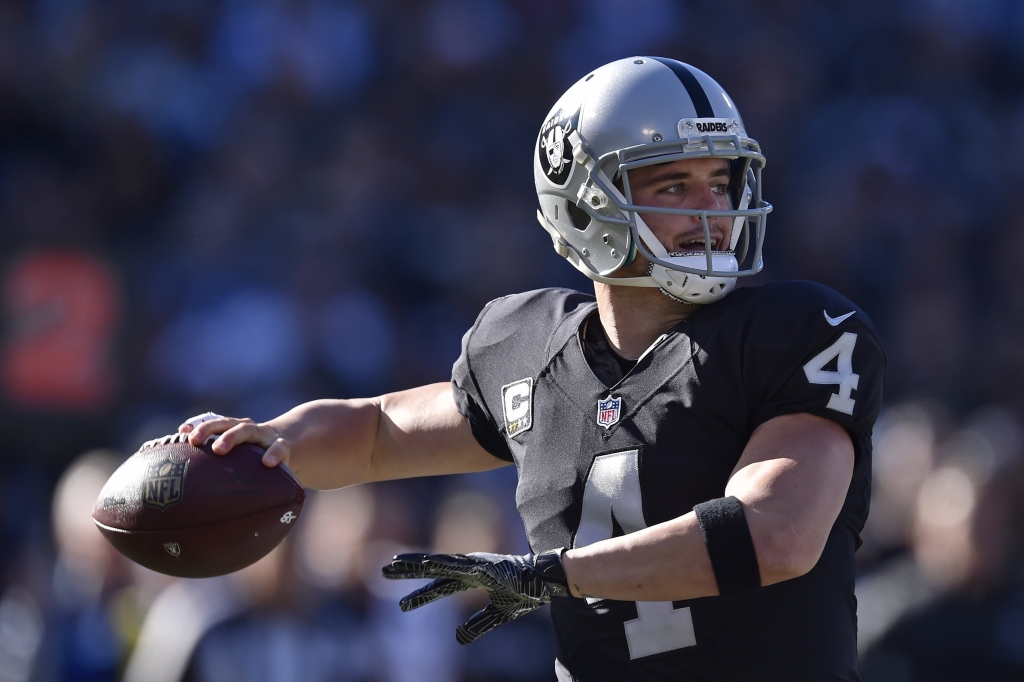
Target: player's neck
{"points": [[634, 317]]}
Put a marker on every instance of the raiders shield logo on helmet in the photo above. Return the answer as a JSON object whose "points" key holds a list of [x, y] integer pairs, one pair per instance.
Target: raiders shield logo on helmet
{"points": [[554, 150]]}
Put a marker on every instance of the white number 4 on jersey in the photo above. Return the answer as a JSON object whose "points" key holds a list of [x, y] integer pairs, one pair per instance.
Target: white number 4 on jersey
{"points": [[612, 491], [844, 378]]}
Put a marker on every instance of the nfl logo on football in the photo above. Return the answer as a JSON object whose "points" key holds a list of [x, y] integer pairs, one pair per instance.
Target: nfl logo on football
{"points": [[164, 483], [608, 411]]}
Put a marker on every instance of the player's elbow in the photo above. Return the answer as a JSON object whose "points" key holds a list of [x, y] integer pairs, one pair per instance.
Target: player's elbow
{"points": [[787, 552], [802, 559]]}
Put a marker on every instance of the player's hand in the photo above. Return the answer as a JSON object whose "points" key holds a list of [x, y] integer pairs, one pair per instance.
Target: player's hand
{"points": [[516, 584], [232, 432]]}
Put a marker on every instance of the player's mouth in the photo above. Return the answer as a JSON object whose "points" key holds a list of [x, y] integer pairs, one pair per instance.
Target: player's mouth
{"points": [[697, 245]]}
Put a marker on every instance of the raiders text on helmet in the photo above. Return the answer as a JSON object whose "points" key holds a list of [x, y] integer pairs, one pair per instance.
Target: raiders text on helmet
{"points": [[639, 112]]}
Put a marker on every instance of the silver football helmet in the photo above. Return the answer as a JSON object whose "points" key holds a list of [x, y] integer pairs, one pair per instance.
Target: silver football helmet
{"points": [[638, 112]]}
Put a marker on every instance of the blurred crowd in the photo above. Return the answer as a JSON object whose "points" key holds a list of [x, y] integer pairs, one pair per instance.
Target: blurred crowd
{"points": [[240, 205]]}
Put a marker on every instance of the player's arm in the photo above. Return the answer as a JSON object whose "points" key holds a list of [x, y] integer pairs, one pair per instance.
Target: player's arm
{"points": [[334, 443], [791, 482]]}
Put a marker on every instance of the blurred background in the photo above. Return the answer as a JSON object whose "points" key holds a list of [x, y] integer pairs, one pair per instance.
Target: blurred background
{"points": [[240, 205]]}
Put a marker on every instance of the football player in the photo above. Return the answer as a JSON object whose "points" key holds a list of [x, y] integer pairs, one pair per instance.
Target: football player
{"points": [[693, 458]]}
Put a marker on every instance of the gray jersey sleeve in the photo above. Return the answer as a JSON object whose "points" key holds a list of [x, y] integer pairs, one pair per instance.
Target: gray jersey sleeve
{"points": [[469, 399], [508, 346]]}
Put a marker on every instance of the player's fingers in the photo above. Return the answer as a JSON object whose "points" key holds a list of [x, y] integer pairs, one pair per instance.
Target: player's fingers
{"points": [[430, 593], [404, 566], [484, 621], [430, 566], [203, 432], [278, 452], [202, 429], [453, 564], [245, 432]]}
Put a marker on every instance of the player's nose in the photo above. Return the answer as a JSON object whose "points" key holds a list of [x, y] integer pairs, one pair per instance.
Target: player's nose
{"points": [[705, 198]]}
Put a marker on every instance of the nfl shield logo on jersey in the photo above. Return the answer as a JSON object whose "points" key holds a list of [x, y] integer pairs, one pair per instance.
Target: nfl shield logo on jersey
{"points": [[608, 411]]}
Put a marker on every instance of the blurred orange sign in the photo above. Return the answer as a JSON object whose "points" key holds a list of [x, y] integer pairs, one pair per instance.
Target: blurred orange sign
{"points": [[62, 310]]}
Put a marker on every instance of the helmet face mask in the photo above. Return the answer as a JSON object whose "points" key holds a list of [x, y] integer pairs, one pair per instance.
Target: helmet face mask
{"points": [[635, 113]]}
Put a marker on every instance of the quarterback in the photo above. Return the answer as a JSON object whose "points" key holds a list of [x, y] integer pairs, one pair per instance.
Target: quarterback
{"points": [[693, 458]]}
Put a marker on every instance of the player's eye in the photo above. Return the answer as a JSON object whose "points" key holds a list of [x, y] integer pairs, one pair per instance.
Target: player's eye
{"points": [[720, 189], [673, 189]]}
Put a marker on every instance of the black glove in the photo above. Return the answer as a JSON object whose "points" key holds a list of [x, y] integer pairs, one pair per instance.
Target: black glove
{"points": [[516, 584]]}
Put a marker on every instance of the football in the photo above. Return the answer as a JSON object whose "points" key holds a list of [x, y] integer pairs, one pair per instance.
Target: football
{"points": [[184, 511]]}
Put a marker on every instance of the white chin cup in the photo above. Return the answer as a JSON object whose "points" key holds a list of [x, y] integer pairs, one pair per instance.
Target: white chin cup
{"points": [[689, 288]]}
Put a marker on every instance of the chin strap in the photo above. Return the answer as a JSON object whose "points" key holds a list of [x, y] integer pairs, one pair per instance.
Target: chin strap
{"points": [[569, 252], [669, 286]]}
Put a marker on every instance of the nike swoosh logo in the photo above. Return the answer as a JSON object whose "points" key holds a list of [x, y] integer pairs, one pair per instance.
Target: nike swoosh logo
{"points": [[836, 320]]}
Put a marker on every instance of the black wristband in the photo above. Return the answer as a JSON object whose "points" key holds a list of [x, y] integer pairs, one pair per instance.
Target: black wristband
{"points": [[549, 566], [730, 547]]}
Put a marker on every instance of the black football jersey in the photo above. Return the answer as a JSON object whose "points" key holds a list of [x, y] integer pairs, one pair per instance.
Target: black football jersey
{"points": [[597, 461]]}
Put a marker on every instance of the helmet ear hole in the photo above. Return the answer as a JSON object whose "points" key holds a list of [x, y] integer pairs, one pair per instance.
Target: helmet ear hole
{"points": [[580, 218]]}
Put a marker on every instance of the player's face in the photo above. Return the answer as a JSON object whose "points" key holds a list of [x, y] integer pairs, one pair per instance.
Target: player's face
{"points": [[690, 183]]}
